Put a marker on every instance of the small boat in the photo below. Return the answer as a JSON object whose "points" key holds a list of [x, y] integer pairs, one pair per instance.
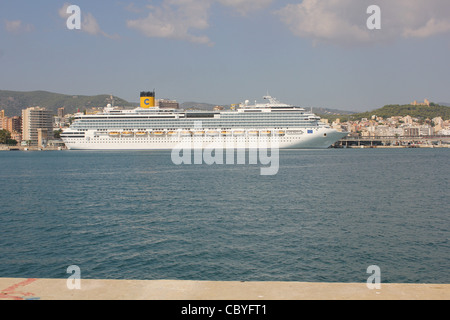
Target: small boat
{"points": [[199, 133], [127, 134], [114, 134], [266, 133], [141, 133], [280, 133], [158, 133], [253, 133], [172, 133], [226, 133], [238, 133]]}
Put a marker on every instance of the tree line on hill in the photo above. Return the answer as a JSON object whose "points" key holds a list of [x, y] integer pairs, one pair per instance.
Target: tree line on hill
{"points": [[13, 102], [392, 110]]}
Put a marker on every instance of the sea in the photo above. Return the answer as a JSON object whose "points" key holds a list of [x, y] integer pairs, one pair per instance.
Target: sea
{"points": [[325, 216]]}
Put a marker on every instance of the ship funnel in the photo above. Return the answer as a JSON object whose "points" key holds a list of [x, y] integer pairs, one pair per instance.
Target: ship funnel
{"points": [[147, 100]]}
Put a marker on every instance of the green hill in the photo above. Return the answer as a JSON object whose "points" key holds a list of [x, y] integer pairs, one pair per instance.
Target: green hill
{"points": [[14, 101], [421, 112]]}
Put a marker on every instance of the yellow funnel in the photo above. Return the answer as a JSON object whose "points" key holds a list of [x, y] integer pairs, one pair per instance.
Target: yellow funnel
{"points": [[147, 100]]}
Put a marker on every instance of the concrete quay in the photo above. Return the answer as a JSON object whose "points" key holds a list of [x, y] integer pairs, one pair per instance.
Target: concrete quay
{"points": [[57, 289]]}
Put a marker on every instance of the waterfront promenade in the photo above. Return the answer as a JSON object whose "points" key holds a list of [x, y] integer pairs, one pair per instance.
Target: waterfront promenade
{"points": [[57, 289]]}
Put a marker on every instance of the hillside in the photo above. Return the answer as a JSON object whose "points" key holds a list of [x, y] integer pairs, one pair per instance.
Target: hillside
{"points": [[331, 112], [421, 112], [14, 101]]}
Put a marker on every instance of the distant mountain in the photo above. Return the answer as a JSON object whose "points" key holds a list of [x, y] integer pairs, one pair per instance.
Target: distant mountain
{"points": [[446, 104], [13, 102]]}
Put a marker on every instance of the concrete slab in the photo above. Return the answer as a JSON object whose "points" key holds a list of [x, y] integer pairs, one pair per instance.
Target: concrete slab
{"points": [[56, 289]]}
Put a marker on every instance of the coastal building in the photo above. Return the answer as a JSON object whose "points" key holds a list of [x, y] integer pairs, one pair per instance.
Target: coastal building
{"points": [[33, 119], [61, 112], [60, 121], [408, 120], [11, 124], [426, 131], [43, 137], [168, 104], [2, 115], [411, 131]]}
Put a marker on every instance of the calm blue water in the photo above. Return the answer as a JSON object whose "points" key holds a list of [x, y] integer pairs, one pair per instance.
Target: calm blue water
{"points": [[326, 216]]}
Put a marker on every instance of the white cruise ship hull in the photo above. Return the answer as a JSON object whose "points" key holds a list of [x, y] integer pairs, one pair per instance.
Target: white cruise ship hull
{"points": [[319, 139]]}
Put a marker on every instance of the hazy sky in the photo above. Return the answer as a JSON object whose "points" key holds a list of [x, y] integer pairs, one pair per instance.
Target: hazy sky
{"points": [[313, 53]]}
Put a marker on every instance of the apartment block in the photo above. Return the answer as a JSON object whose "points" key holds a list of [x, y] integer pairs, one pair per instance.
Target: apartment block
{"points": [[35, 121]]}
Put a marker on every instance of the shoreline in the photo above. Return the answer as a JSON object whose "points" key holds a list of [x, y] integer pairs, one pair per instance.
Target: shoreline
{"points": [[57, 289], [27, 149]]}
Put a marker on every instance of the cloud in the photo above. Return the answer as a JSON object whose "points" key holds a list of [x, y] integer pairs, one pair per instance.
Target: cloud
{"points": [[88, 23], [344, 21], [431, 28], [245, 6], [16, 26], [184, 19], [176, 19]]}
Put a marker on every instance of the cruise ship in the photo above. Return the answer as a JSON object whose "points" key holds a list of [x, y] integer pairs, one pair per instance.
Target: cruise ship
{"points": [[260, 125]]}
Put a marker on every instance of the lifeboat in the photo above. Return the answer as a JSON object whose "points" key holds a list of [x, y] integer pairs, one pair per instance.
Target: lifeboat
{"points": [[226, 133], [212, 133], [158, 133], [141, 133], [266, 133], [238, 133], [186, 133], [199, 133], [280, 133], [114, 134], [253, 133], [172, 133], [127, 134]]}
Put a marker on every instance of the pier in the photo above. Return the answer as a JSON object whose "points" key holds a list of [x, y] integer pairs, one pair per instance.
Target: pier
{"points": [[57, 289], [394, 142]]}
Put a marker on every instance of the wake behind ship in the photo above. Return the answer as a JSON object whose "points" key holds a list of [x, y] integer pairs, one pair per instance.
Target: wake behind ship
{"points": [[247, 126]]}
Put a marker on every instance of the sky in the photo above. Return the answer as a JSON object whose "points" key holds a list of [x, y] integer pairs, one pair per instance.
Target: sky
{"points": [[312, 53]]}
